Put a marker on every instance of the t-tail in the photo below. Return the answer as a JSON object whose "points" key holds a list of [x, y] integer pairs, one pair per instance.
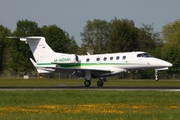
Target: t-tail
{"points": [[42, 53], [40, 49]]}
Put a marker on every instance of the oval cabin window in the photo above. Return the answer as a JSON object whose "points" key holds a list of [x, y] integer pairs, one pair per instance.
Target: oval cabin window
{"points": [[87, 60]]}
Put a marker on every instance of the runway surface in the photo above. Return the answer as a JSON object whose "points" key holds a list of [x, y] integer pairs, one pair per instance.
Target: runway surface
{"points": [[117, 88]]}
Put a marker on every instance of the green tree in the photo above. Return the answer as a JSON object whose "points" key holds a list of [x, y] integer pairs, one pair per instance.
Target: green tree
{"points": [[149, 41], [95, 35], [82, 50], [56, 38], [171, 48], [20, 52], [4, 32], [72, 45], [171, 32], [123, 36], [26, 28]]}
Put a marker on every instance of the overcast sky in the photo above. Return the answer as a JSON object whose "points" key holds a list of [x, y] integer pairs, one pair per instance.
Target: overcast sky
{"points": [[71, 15]]}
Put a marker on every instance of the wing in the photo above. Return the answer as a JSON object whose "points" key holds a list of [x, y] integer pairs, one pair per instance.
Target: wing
{"points": [[80, 72], [95, 72]]}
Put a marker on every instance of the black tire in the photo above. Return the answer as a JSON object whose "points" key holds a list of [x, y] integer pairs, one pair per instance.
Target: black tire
{"points": [[87, 83], [100, 83]]}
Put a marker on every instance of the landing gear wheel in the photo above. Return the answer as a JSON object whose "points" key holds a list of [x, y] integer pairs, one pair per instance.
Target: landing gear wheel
{"points": [[87, 83], [157, 79], [100, 83]]}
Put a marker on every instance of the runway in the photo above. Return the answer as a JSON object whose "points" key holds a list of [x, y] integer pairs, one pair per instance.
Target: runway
{"points": [[116, 88]]}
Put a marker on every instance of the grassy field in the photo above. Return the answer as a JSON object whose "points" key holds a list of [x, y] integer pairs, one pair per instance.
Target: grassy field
{"points": [[89, 104]]}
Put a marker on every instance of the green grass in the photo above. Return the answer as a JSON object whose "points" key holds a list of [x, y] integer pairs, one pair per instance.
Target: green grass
{"points": [[89, 104], [80, 82]]}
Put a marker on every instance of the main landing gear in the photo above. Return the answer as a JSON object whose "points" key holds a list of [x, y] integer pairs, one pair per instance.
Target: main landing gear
{"points": [[100, 82], [156, 75], [87, 77]]}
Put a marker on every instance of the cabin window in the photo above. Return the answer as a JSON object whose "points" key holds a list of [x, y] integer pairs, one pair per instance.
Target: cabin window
{"points": [[105, 58], [97, 59], [144, 55], [117, 58], [87, 60], [111, 58], [124, 57], [147, 55], [139, 55]]}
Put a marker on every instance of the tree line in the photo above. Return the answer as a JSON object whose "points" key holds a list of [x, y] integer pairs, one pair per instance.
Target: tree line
{"points": [[99, 36]]}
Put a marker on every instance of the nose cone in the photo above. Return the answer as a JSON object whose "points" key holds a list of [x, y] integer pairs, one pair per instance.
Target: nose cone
{"points": [[170, 65], [158, 63], [165, 64]]}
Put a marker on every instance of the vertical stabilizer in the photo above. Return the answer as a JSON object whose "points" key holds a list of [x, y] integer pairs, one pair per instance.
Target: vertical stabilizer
{"points": [[40, 49]]}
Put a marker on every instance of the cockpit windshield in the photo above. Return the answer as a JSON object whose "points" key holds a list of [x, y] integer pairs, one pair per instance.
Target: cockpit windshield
{"points": [[144, 55]]}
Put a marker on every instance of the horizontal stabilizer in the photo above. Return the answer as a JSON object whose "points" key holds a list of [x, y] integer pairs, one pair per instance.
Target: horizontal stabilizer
{"points": [[14, 37], [20, 38]]}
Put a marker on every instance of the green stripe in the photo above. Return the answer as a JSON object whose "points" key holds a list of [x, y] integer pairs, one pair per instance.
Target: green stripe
{"points": [[44, 64], [90, 64]]}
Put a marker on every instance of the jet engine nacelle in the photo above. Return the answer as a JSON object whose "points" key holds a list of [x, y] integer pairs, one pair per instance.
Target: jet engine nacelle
{"points": [[66, 59]]}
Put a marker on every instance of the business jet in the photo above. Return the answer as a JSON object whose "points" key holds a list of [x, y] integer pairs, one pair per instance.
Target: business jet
{"points": [[90, 66]]}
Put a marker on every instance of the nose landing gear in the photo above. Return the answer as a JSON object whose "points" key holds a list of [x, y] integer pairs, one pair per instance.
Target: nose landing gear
{"points": [[156, 75]]}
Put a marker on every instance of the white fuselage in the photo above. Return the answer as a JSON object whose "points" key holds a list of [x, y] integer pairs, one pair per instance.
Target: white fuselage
{"points": [[119, 62], [114, 62]]}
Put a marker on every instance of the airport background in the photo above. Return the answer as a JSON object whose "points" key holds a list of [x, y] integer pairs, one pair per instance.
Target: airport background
{"points": [[98, 36], [115, 26]]}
